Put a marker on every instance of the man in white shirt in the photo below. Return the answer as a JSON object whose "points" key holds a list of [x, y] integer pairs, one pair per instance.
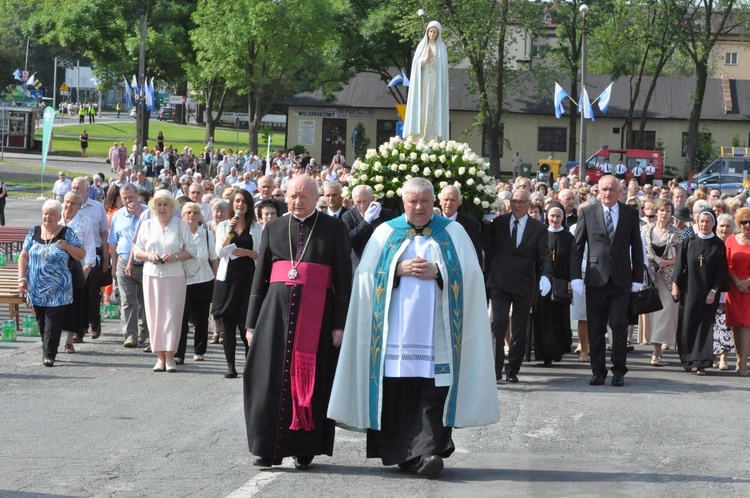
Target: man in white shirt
{"points": [[61, 187], [621, 170], [195, 193], [332, 193], [638, 173], [607, 167], [247, 183]]}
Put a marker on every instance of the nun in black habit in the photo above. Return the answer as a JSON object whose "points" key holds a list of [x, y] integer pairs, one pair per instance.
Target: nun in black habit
{"points": [[701, 274]]}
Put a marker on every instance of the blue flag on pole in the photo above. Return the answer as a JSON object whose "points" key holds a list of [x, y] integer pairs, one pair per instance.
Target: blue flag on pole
{"points": [[560, 95], [17, 75], [406, 80], [134, 84], [604, 98], [585, 103], [128, 100], [395, 81]]}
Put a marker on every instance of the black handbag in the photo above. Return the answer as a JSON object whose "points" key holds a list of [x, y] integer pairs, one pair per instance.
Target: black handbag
{"points": [[646, 300], [560, 291]]}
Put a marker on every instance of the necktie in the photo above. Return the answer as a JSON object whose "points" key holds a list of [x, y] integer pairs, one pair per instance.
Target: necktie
{"points": [[610, 225], [514, 233]]}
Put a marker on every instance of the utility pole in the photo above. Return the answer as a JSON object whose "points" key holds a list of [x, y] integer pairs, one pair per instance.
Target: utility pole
{"points": [[141, 100]]}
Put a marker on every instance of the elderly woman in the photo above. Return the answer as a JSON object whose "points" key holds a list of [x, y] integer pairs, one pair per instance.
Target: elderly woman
{"points": [[738, 299], [701, 273], [76, 318], [723, 343], [163, 243], [662, 240], [200, 286], [552, 334], [43, 273], [220, 212], [237, 250]]}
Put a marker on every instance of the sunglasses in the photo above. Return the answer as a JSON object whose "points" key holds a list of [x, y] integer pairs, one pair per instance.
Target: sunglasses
{"points": [[745, 222], [650, 216], [210, 188]]}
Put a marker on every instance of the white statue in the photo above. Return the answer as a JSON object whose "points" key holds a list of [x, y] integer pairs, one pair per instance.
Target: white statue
{"points": [[427, 105]]}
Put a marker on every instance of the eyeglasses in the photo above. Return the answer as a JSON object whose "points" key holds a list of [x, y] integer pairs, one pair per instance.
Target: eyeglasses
{"points": [[518, 201], [210, 188], [745, 222], [650, 216]]}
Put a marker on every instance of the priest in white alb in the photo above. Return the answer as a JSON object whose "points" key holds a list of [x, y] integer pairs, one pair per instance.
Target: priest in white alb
{"points": [[416, 357]]}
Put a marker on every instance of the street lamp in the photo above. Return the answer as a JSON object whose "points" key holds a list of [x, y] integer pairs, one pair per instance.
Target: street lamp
{"points": [[420, 13], [583, 9]]}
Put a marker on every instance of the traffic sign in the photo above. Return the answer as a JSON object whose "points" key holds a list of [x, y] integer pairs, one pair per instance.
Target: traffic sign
{"points": [[36, 94], [64, 87]]}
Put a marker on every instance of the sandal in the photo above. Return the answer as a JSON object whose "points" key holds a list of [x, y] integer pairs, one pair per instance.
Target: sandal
{"points": [[215, 339], [69, 349], [584, 359], [657, 361]]}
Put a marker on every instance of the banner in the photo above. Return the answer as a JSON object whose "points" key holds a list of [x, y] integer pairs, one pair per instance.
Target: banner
{"points": [[48, 121]]}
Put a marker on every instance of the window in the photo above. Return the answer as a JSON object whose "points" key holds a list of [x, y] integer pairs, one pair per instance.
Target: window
{"points": [[702, 136], [649, 140], [552, 139], [538, 51], [386, 130], [730, 58]]}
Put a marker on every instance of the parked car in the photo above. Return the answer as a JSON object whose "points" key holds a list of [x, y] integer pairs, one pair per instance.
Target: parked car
{"points": [[727, 172], [166, 113]]}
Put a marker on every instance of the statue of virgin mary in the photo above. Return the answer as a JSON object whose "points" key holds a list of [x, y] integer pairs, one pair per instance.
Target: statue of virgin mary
{"points": [[427, 104]]}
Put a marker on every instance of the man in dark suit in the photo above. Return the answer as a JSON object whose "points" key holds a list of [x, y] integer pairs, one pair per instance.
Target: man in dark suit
{"points": [[450, 199], [363, 219], [332, 193], [519, 262], [614, 269]]}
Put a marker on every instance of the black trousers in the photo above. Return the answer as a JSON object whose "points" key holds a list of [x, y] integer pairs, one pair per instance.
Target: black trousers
{"points": [[608, 305], [94, 287], [197, 305], [411, 422], [231, 327], [501, 302], [50, 321], [2, 212]]}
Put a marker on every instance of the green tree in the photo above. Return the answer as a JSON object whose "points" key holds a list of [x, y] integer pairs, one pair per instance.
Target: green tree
{"points": [[279, 48], [370, 41], [704, 23], [645, 41], [108, 33]]}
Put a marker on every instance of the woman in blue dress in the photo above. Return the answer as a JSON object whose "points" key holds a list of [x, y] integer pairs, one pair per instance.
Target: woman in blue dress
{"points": [[43, 274]]}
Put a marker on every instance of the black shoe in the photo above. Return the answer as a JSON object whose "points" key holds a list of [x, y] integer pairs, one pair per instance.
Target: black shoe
{"points": [[597, 380], [302, 462], [232, 374], [511, 378], [431, 466], [631, 349], [266, 462], [178, 360], [618, 380], [411, 464]]}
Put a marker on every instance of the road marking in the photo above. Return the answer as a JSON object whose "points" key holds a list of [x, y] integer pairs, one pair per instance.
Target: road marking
{"points": [[254, 485]]}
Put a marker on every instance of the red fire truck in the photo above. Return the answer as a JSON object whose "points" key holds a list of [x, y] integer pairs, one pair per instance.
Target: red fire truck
{"points": [[629, 157]]}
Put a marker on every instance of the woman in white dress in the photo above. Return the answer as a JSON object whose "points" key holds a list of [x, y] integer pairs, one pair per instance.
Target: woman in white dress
{"points": [[163, 243], [427, 104]]}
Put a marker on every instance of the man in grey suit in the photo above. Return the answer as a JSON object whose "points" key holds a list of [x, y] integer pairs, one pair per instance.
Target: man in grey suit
{"points": [[519, 263], [614, 269]]}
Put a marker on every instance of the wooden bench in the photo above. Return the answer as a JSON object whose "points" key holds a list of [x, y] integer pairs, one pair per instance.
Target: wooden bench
{"points": [[11, 240], [9, 293]]}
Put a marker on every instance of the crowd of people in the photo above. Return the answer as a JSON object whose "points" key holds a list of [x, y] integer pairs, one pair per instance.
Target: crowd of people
{"points": [[303, 269]]}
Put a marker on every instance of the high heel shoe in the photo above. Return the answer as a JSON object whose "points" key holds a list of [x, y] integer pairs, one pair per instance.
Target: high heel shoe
{"points": [[657, 361]]}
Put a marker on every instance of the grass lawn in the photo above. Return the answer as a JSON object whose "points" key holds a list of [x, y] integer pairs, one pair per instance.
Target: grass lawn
{"points": [[102, 136]]}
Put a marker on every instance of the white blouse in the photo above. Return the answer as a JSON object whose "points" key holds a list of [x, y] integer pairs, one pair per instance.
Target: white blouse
{"points": [[222, 229], [206, 253], [174, 239]]}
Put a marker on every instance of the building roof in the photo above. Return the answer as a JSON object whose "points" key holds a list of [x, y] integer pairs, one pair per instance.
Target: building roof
{"points": [[671, 98]]}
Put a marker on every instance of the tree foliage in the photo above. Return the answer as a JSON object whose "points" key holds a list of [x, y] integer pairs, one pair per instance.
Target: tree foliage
{"points": [[108, 33], [280, 48]]}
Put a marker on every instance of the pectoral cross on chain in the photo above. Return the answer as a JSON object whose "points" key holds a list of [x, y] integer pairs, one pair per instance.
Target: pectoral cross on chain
{"points": [[554, 253], [701, 258]]}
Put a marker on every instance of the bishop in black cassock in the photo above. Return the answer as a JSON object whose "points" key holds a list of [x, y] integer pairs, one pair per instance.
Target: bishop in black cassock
{"points": [[298, 305]]}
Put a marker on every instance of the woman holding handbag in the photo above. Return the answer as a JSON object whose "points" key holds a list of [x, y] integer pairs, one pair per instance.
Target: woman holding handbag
{"points": [[662, 240], [552, 334], [164, 243]]}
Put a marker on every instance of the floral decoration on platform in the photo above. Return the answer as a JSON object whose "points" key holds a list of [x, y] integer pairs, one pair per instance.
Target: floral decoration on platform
{"points": [[442, 163]]}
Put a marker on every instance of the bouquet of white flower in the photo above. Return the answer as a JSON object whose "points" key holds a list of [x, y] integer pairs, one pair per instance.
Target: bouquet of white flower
{"points": [[442, 163]]}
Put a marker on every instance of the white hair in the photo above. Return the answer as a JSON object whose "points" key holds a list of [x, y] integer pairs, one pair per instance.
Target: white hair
{"points": [[52, 204], [417, 186]]}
